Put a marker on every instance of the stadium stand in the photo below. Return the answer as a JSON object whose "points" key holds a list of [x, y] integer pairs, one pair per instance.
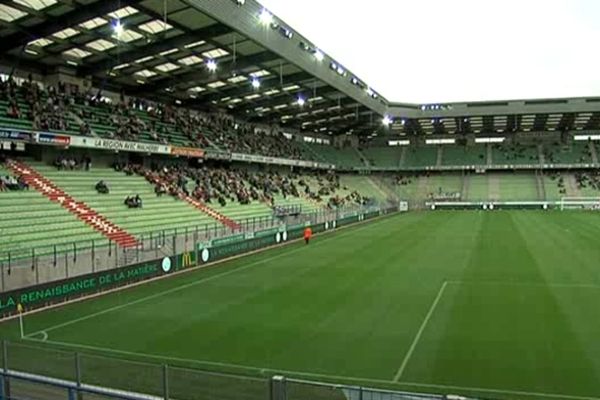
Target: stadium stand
{"points": [[558, 185], [29, 219], [156, 214], [515, 154], [575, 153], [344, 158], [464, 155], [384, 157], [478, 188], [516, 186], [423, 156]]}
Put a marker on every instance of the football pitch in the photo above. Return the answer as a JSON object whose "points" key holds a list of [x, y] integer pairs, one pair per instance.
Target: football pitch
{"points": [[492, 304]]}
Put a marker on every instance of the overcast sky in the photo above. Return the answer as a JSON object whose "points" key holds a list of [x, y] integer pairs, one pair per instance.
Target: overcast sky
{"points": [[433, 51]]}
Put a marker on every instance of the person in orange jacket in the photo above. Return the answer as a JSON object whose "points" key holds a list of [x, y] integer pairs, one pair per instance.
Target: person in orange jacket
{"points": [[307, 234]]}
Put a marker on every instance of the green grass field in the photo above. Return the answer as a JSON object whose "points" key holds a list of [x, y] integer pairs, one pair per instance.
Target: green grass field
{"points": [[490, 304]]}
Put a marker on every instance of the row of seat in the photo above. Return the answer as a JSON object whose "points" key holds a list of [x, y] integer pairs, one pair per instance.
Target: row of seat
{"points": [[519, 186]]}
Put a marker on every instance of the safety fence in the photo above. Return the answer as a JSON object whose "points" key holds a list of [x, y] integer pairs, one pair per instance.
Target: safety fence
{"points": [[36, 371]]}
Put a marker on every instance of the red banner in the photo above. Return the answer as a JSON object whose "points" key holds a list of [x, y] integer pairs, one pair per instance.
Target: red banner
{"points": [[187, 152]]}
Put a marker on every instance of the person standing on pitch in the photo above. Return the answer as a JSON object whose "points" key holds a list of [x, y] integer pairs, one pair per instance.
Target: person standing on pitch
{"points": [[307, 234]]}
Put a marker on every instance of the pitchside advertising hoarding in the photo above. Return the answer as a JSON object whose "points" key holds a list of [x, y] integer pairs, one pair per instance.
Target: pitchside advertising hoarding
{"points": [[205, 252], [16, 135]]}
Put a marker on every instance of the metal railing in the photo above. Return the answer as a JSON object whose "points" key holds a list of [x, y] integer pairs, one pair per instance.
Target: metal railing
{"points": [[36, 371]]}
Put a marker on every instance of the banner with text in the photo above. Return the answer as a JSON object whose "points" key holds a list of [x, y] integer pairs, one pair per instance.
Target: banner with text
{"points": [[279, 161], [65, 289], [13, 134], [187, 152], [119, 145]]}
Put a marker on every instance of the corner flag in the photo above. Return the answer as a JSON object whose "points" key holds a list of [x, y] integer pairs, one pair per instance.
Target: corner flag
{"points": [[20, 310]]}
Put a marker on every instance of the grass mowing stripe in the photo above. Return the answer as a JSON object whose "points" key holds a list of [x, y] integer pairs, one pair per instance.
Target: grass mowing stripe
{"points": [[420, 332], [44, 332]]}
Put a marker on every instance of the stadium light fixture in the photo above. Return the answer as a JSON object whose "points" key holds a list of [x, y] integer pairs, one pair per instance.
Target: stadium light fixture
{"points": [[211, 65], [255, 83], [265, 17], [387, 120], [117, 28], [301, 101], [319, 55]]}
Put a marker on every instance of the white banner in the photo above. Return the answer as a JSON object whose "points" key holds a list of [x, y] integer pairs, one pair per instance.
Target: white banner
{"points": [[278, 161], [119, 145]]}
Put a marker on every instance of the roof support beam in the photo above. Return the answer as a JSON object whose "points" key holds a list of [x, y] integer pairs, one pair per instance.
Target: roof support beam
{"points": [[240, 92], [55, 24], [155, 48], [200, 71]]}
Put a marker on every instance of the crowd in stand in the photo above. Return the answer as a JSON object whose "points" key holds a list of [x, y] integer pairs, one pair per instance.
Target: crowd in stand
{"points": [[223, 186], [517, 152], [9, 182], [65, 107], [72, 163], [590, 179], [552, 155], [403, 180], [560, 182]]}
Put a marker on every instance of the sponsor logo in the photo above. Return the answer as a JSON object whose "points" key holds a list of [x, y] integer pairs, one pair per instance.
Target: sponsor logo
{"points": [[205, 255], [166, 265], [186, 259], [15, 135], [50, 138]]}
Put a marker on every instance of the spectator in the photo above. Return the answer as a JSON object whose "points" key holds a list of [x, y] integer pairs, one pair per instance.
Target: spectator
{"points": [[102, 187]]}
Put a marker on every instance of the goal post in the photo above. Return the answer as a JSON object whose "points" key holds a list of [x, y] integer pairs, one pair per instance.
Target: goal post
{"points": [[579, 203]]}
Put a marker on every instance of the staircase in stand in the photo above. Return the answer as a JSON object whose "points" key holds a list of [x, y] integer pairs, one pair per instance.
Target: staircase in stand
{"points": [[80, 209], [211, 212]]}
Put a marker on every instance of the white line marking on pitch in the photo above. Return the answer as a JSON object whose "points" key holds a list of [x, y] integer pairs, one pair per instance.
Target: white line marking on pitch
{"points": [[338, 378], [191, 284], [415, 341], [500, 391], [527, 284]]}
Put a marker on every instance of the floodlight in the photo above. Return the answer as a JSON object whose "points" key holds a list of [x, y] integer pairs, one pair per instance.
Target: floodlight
{"points": [[265, 17], [319, 55], [255, 83], [211, 65], [301, 101], [387, 120], [117, 27]]}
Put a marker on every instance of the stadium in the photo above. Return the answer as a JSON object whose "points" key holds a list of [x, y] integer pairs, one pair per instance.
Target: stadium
{"points": [[198, 202]]}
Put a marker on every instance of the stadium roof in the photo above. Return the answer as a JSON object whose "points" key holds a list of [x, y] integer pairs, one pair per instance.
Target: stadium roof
{"points": [[194, 53], [234, 55]]}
